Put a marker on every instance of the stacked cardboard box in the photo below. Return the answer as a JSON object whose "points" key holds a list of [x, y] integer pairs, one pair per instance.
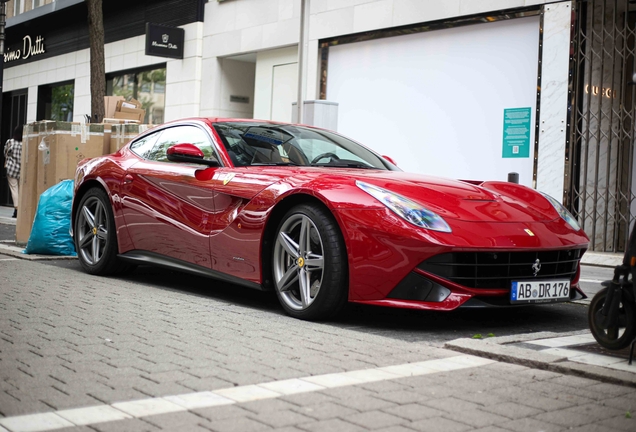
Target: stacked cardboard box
{"points": [[28, 197], [50, 153], [119, 110], [121, 134]]}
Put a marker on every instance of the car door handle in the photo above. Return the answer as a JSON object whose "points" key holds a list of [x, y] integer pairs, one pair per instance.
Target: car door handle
{"points": [[128, 179]]}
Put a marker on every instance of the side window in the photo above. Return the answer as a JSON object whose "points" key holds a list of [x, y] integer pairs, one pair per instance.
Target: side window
{"points": [[142, 147], [181, 135]]}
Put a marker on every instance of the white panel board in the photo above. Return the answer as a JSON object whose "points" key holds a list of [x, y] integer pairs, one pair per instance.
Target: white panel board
{"points": [[284, 91], [266, 61], [434, 101], [555, 67]]}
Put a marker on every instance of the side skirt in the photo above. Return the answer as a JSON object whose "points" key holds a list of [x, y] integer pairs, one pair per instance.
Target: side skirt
{"points": [[143, 257]]}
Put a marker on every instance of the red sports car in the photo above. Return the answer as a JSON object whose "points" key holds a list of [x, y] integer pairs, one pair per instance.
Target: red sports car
{"points": [[320, 220]]}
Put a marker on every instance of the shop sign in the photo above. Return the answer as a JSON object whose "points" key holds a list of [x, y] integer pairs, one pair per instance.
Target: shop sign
{"points": [[164, 41], [29, 48], [516, 133], [606, 92]]}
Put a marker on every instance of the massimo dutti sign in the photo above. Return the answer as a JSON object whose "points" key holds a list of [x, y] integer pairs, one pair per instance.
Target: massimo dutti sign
{"points": [[30, 47], [164, 41]]}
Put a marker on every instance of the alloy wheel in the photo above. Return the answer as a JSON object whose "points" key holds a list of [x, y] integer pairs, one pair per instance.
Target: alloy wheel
{"points": [[298, 262], [92, 230]]}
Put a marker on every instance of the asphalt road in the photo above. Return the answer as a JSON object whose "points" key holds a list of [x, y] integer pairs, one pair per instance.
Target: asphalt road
{"points": [[7, 232], [415, 326], [70, 340], [430, 327]]}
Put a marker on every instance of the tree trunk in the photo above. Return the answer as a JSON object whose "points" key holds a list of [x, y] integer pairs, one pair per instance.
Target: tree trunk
{"points": [[97, 64]]}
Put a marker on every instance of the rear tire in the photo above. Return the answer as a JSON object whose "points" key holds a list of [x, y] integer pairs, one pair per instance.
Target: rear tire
{"points": [[309, 264], [95, 235], [613, 338]]}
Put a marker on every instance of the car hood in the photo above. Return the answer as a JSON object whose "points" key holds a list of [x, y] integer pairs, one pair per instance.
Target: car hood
{"points": [[501, 202], [455, 199]]}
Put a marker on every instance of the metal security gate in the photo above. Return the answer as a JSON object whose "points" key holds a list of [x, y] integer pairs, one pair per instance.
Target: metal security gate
{"points": [[601, 150]]}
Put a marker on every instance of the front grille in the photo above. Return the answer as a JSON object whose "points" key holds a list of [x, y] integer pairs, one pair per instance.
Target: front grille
{"points": [[496, 270]]}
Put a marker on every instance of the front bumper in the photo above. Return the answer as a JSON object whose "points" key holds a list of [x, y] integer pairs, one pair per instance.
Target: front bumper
{"points": [[385, 253]]}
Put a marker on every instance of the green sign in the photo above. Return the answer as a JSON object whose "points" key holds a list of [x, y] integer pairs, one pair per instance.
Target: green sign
{"points": [[516, 133]]}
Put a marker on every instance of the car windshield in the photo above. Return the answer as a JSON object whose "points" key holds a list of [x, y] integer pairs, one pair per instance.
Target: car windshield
{"points": [[251, 143]]}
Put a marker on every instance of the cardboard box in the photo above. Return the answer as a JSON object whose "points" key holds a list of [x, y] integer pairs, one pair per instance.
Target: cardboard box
{"points": [[119, 121], [117, 108], [110, 105], [68, 144], [107, 135], [131, 114], [132, 103], [122, 134], [50, 153], [28, 197]]}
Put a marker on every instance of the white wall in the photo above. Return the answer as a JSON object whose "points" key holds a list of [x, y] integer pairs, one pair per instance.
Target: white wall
{"points": [[248, 26], [183, 77], [284, 91], [330, 18], [266, 61], [237, 79], [237, 27], [242, 26], [435, 101]]}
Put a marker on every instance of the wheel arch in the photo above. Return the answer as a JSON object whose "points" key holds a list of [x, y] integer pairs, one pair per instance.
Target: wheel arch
{"points": [[81, 191], [269, 233]]}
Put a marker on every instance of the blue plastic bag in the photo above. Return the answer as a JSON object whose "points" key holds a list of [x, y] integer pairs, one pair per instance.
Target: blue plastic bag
{"points": [[50, 233]]}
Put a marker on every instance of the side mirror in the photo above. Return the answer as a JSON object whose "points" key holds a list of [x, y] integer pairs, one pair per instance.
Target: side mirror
{"points": [[389, 159], [189, 153]]}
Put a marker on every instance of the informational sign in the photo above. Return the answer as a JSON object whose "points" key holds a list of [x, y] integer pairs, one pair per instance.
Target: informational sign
{"points": [[164, 41], [516, 132]]}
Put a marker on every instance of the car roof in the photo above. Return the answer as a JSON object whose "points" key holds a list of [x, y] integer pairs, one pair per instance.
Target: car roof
{"points": [[212, 120]]}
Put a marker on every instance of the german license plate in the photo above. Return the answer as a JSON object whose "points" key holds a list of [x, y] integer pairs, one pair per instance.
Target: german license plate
{"points": [[540, 291]]}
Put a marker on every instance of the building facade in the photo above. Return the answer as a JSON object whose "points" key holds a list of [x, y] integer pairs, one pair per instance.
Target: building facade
{"points": [[471, 89]]}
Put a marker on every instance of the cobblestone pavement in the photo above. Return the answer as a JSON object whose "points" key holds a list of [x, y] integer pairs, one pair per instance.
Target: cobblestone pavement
{"points": [[70, 340]]}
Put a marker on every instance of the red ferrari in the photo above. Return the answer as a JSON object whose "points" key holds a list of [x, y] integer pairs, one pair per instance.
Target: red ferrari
{"points": [[320, 220]]}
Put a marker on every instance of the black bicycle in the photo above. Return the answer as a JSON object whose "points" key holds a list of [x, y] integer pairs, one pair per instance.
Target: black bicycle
{"points": [[612, 312]]}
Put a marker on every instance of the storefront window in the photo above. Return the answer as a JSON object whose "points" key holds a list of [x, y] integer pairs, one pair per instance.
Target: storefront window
{"points": [[147, 86], [55, 101]]}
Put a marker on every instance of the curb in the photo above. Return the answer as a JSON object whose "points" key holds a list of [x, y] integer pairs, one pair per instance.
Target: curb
{"points": [[16, 252], [603, 259], [7, 221], [495, 349]]}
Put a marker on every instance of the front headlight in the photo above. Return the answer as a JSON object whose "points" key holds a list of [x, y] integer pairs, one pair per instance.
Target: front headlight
{"points": [[405, 208], [563, 212]]}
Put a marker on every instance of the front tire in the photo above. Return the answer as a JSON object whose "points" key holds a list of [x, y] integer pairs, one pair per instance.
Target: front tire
{"points": [[613, 338], [309, 263], [95, 235]]}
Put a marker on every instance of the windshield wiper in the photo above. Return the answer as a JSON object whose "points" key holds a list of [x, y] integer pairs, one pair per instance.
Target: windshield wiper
{"points": [[336, 164], [274, 164]]}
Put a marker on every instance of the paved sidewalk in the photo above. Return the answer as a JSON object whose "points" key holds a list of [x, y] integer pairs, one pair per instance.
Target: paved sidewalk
{"points": [[147, 358], [80, 353], [567, 353]]}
